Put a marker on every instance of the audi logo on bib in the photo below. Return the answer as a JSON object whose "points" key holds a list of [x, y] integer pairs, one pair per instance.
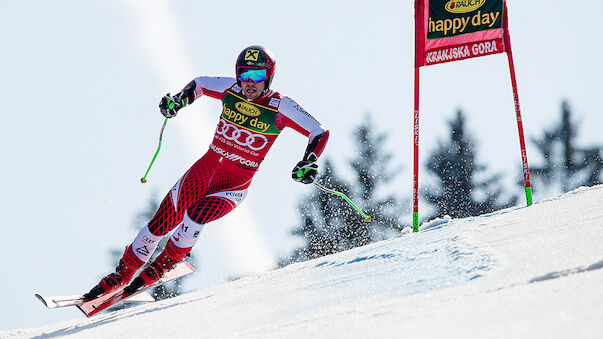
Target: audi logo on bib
{"points": [[241, 136]]}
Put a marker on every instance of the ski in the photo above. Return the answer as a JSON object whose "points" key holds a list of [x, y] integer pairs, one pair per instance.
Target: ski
{"points": [[74, 300], [92, 307]]}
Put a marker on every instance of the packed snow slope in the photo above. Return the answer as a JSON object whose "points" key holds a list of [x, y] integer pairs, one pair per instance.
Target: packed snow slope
{"points": [[530, 272]]}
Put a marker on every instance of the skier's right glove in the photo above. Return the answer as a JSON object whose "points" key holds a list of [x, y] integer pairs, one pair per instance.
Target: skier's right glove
{"points": [[170, 105], [306, 170]]}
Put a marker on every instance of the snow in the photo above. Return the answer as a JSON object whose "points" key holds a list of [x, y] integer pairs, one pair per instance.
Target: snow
{"points": [[529, 272]]}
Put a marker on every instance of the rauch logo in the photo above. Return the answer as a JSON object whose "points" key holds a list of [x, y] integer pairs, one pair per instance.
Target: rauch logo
{"points": [[247, 109], [463, 6]]}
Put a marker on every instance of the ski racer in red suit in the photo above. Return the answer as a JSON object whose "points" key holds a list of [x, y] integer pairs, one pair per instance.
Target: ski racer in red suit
{"points": [[252, 117]]}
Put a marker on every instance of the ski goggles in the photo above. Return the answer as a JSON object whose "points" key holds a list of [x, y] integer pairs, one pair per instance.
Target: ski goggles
{"points": [[245, 73]]}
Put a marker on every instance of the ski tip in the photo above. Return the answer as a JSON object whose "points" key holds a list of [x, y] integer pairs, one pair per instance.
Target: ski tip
{"points": [[188, 265], [41, 298]]}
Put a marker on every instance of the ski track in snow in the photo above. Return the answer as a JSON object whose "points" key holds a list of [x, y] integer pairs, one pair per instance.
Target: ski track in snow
{"points": [[519, 272]]}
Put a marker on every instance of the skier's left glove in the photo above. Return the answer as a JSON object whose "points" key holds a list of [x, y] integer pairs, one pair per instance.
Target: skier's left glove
{"points": [[170, 105], [306, 170]]}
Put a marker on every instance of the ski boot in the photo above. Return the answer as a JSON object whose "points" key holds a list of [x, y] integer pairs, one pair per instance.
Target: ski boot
{"points": [[167, 260], [128, 265]]}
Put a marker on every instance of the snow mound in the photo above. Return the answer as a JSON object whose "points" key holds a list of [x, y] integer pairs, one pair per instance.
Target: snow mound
{"points": [[521, 272]]}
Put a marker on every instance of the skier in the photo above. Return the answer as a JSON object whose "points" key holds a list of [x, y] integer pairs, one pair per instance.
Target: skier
{"points": [[252, 117]]}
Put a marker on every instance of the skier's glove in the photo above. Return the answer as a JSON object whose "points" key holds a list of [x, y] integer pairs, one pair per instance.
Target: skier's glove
{"points": [[170, 105], [306, 170]]}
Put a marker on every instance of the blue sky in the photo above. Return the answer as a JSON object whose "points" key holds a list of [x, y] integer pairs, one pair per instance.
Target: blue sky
{"points": [[81, 82]]}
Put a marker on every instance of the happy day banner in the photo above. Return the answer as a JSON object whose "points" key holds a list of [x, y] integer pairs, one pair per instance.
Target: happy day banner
{"points": [[459, 29], [451, 30]]}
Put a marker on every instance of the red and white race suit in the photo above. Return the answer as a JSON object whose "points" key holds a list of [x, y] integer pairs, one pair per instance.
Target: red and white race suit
{"points": [[219, 180]]}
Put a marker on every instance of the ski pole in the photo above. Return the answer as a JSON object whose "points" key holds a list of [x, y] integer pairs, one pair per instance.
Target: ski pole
{"points": [[144, 179], [328, 190]]}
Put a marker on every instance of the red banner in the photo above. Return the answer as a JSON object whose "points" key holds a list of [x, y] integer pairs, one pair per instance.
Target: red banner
{"points": [[451, 30]]}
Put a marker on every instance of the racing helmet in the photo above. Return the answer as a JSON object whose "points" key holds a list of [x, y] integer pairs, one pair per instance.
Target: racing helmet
{"points": [[256, 57]]}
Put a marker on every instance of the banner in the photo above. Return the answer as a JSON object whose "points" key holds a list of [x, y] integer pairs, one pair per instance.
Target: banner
{"points": [[451, 30]]}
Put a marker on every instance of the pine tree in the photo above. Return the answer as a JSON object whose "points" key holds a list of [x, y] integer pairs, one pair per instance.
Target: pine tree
{"points": [[565, 165], [321, 216], [459, 193], [594, 166], [329, 224], [372, 171]]}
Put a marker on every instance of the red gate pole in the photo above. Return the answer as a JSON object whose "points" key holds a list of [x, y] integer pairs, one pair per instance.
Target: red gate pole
{"points": [[522, 144], [415, 187], [419, 61]]}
